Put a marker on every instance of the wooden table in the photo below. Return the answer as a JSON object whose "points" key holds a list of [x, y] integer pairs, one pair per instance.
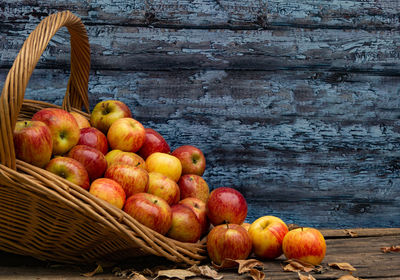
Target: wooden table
{"points": [[362, 252]]}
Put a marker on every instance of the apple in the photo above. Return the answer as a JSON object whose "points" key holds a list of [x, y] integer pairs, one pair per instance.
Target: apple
{"points": [[153, 142], [92, 137], [246, 226], [228, 241], [32, 142], [165, 164], [164, 187], [185, 225], [226, 205], [105, 113], [92, 159], [304, 244], [192, 159], [111, 155], [69, 169], [80, 120], [125, 158], [150, 210], [108, 190], [126, 134], [132, 179], [192, 185], [199, 208], [63, 127], [267, 234]]}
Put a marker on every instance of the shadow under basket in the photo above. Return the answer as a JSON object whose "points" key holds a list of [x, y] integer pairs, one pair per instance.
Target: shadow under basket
{"points": [[41, 214]]}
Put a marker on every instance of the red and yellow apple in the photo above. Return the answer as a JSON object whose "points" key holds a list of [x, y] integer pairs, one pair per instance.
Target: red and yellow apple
{"points": [[108, 190], [64, 129], [226, 205], [92, 159], [228, 241], [92, 137], [33, 142], [153, 142], [69, 169], [111, 155], [192, 159], [80, 120], [267, 234], [185, 225], [150, 210], [165, 164], [305, 244], [119, 157], [192, 185], [126, 134], [132, 179], [164, 187], [246, 226], [105, 113], [199, 208]]}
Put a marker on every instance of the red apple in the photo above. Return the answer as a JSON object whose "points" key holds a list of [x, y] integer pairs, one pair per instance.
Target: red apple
{"points": [[150, 210], [108, 190], [153, 142], [305, 244], [63, 126], [105, 113], [165, 164], [192, 159], [185, 225], [80, 120], [246, 226], [164, 187], [226, 205], [126, 134], [228, 241], [69, 169], [93, 160], [92, 137], [115, 157], [199, 208], [192, 185], [132, 179], [267, 234], [32, 142]]}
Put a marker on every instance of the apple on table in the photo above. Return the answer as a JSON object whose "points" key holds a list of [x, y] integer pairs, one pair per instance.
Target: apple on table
{"points": [[192, 159], [105, 113]]}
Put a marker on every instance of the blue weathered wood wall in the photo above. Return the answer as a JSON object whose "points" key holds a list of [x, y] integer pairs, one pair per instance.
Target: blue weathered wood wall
{"points": [[294, 103]]}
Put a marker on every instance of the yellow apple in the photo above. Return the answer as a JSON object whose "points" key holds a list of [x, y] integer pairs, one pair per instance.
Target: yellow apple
{"points": [[165, 164]]}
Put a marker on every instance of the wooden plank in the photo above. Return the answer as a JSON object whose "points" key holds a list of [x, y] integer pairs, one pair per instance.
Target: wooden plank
{"points": [[366, 14], [141, 48], [304, 146], [359, 232]]}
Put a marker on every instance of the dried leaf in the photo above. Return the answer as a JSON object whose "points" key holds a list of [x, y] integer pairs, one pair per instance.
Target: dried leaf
{"points": [[206, 271], [348, 277], [175, 273], [304, 277], [244, 266], [99, 269], [351, 233], [391, 249], [247, 265], [342, 266], [297, 265], [136, 276], [257, 274]]}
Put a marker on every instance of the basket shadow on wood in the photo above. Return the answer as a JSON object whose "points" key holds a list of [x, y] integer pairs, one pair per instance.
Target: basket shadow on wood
{"points": [[45, 216]]}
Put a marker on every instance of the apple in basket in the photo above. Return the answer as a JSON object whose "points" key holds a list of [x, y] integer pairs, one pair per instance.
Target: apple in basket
{"points": [[165, 164], [192, 185], [108, 190], [185, 226], [164, 187], [92, 137], [192, 159], [33, 142], [132, 179], [115, 157], [69, 169], [126, 134], [81, 120], [105, 113], [93, 160], [153, 142], [64, 129], [150, 210], [199, 208]]}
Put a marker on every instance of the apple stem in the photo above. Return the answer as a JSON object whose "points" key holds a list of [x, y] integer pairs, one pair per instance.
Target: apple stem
{"points": [[227, 224]]}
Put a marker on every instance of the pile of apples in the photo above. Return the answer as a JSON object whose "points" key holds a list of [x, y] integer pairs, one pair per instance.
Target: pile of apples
{"points": [[118, 160]]}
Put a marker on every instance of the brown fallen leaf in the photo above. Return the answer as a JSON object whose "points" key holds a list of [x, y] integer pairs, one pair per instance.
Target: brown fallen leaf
{"points": [[98, 269], [297, 265], [257, 274], [342, 266], [205, 270], [391, 249], [244, 266], [136, 276], [351, 233], [304, 277], [175, 273]]}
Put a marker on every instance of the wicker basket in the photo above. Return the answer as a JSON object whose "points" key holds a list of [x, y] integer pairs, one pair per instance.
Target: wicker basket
{"points": [[45, 216]]}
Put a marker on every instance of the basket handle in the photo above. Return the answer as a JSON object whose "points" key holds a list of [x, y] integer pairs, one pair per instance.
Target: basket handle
{"points": [[18, 77]]}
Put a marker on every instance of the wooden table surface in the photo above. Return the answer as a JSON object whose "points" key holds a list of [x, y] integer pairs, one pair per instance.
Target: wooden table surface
{"points": [[362, 252]]}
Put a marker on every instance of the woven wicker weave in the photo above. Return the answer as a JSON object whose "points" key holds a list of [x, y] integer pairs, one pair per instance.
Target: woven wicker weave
{"points": [[45, 216]]}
